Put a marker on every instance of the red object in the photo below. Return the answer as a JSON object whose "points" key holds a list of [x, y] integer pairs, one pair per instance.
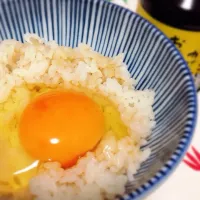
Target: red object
{"points": [[193, 159]]}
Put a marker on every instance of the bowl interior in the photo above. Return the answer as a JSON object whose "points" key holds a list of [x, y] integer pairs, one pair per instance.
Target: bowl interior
{"points": [[151, 59]]}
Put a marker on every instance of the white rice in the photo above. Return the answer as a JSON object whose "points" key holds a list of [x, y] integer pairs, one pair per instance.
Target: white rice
{"points": [[103, 173]]}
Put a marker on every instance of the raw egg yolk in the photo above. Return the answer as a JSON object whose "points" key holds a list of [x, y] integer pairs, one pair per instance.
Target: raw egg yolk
{"points": [[61, 126]]}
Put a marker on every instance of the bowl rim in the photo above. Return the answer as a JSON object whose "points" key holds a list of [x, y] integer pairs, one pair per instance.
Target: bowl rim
{"points": [[147, 188]]}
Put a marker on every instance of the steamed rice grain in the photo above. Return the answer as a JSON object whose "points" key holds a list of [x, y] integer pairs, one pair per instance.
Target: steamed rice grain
{"points": [[103, 173]]}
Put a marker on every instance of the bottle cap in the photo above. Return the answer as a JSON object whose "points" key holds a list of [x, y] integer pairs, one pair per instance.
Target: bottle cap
{"points": [[183, 14]]}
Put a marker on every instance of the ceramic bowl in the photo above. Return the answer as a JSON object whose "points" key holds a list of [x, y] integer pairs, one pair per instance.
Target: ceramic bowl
{"points": [[151, 59]]}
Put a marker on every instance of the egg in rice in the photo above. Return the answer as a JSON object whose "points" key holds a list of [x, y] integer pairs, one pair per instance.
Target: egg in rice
{"points": [[101, 146]]}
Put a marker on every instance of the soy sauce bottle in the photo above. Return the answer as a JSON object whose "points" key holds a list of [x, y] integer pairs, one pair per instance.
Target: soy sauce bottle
{"points": [[180, 21]]}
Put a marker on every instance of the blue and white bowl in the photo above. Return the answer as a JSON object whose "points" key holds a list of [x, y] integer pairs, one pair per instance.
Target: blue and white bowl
{"points": [[151, 59]]}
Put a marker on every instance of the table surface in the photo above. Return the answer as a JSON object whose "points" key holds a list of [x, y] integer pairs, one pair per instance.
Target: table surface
{"points": [[184, 183]]}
